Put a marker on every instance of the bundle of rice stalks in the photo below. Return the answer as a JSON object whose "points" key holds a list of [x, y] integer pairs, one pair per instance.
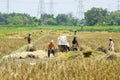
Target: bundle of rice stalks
{"points": [[31, 48], [32, 56], [83, 48], [111, 57], [87, 53], [102, 49], [75, 56]]}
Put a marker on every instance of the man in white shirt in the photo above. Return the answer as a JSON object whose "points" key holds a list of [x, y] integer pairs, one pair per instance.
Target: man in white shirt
{"points": [[111, 44]]}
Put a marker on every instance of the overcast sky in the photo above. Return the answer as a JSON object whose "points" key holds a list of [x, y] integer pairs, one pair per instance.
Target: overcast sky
{"points": [[59, 6]]}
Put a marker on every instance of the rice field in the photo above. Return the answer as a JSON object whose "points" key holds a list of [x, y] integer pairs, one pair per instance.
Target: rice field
{"points": [[65, 66], [11, 40], [51, 69]]}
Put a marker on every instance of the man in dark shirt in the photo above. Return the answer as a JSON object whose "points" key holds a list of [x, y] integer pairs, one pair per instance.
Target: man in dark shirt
{"points": [[75, 44]]}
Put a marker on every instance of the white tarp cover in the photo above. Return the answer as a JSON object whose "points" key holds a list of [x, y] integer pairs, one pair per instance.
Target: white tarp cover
{"points": [[62, 40]]}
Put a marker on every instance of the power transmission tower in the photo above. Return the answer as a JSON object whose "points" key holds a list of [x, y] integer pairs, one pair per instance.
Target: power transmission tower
{"points": [[118, 5], [41, 11], [41, 8], [51, 7], [7, 6], [80, 10]]}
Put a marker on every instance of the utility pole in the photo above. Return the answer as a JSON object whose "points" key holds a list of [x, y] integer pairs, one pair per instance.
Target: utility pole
{"points": [[41, 11], [7, 8], [51, 7]]}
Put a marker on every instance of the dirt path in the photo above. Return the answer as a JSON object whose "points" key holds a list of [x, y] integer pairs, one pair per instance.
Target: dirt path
{"points": [[21, 53], [38, 53]]}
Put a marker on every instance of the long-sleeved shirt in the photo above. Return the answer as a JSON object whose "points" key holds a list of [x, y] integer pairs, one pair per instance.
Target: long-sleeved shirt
{"points": [[51, 46], [111, 45]]}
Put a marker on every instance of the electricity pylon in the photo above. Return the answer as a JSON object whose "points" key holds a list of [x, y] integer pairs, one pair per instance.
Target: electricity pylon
{"points": [[51, 7], [41, 11], [80, 9], [7, 8]]}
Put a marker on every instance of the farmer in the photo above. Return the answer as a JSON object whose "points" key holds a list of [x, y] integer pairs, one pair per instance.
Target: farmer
{"points": [[75, 44], [75, 32], [28, 39], [111, 44], [51, 48]]}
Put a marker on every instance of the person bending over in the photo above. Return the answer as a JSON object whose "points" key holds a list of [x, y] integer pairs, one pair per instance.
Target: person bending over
{"points": [[51, 48]]}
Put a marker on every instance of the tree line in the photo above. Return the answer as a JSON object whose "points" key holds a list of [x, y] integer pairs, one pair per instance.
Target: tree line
{"points": [[45, 19], [99, 16], [15, 19], [92, 17]]}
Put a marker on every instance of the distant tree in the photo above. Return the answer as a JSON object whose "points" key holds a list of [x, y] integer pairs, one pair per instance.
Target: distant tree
{"points": [[3, 19], [44, 18], [74, 21], [15, 19], [62, 19], [66, 19], [96, 16], [114, 18], [51, 21], [35, 20]]}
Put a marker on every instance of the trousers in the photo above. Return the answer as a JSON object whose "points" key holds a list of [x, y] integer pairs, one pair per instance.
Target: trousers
{"points": [[51, 51]]}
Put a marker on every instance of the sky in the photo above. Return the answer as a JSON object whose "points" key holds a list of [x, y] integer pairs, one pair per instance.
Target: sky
{"points": [[59, 6]]}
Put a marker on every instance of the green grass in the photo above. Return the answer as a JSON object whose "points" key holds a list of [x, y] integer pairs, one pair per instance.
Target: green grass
{"points": [[12, 39], [70, 28]]}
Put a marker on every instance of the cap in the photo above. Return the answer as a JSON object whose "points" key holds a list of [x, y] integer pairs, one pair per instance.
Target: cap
{"points": [[110, 37], [51, 41]]}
